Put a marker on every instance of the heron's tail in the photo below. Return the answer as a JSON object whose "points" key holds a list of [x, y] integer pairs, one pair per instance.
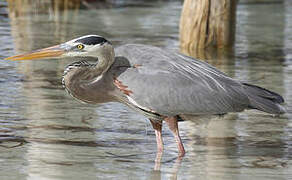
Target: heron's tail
{"points": [[264, 100]]}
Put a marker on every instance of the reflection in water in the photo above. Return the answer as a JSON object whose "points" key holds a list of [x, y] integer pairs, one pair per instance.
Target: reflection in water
{"points": [[58, 16], [45, 134], [287, 73]]}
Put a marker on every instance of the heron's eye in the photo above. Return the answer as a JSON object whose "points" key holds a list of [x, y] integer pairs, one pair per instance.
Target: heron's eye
{"points": [[80, 46]]}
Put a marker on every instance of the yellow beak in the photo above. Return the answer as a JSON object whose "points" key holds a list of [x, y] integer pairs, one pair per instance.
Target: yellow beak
{"points": [[53, 51]]}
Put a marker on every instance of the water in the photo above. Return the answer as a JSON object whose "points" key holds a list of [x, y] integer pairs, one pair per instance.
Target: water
{"points": [[45, 134]]}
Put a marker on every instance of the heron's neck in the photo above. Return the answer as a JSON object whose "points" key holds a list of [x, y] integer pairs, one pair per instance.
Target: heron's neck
{"points": [[105, 60], [85, 81]]}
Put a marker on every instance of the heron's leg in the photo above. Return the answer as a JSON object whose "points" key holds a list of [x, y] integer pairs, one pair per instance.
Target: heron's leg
{"points": [[158, 128], [173, 126]]}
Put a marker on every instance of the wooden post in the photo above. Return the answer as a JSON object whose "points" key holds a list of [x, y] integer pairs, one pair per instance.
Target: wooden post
{"points": [[207, 24]]}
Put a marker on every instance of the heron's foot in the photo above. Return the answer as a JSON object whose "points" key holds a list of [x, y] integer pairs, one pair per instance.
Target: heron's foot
{"points": [[158, 128], [173, 126]]}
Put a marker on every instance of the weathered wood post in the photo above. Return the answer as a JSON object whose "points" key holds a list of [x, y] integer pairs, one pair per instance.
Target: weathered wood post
{"points": [[207, 24]]}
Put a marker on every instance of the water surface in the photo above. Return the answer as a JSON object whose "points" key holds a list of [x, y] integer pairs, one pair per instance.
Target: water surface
{"points": [[45, 134]]}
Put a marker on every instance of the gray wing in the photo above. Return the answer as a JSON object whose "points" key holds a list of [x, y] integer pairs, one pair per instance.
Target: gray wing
{"points": [[170, 83]]}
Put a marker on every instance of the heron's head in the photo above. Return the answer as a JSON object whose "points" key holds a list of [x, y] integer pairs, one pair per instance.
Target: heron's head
{"points": [[85, 46]]}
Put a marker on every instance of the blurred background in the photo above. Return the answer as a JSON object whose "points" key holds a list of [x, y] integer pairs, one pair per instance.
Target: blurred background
{"points": [[46, 134]]}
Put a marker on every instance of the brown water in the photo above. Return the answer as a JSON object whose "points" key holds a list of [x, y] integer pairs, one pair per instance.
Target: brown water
{"points": [[45, 134]]}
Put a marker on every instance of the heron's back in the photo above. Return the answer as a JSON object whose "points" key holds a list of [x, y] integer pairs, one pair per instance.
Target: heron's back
{"points": [[170, 83]]}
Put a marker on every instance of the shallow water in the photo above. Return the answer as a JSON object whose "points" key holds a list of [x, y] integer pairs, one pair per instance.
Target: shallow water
{"points": [[45, 134]]}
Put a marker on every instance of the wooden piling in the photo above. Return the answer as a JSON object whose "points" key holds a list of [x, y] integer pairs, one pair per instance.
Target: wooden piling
{"points": [[207, 24]]}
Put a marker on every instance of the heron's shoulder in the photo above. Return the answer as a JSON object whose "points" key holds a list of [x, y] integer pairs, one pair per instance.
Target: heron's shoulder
{"points": [[160, 58]]}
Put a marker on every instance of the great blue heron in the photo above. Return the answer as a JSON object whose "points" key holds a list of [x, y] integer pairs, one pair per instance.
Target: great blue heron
{"points": [[160, 84]]}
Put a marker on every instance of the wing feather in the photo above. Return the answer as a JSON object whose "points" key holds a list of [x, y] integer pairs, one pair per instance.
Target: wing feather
{"points": [[171, 83]]}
